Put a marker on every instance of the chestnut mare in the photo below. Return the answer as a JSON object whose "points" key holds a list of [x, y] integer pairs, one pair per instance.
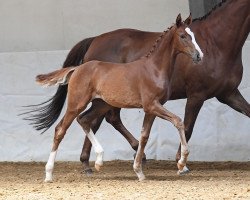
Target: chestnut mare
{"points": [[144, 83], [221, 35]]}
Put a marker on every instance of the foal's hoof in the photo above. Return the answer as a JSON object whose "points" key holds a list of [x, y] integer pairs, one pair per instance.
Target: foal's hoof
{"points": [[184, 171], [139, 174], [142, 178], [48, 181], [98, 167], [88, 172]]}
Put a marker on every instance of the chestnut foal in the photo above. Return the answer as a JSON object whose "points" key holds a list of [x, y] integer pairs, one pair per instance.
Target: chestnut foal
{"points": [[140, 84]]}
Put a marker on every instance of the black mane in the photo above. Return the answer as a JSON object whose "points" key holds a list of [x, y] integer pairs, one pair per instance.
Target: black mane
{"points": [[210, 12]]}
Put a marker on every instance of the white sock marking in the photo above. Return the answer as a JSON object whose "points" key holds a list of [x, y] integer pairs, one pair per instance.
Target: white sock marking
{"points": [[50, 166], [194, 42], [97, 147]]}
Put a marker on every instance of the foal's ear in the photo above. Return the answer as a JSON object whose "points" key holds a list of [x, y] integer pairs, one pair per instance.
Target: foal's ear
{"points": [[178, 21], [189, 20]]}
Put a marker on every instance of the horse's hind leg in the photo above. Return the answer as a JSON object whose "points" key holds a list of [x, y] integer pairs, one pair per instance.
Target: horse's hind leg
{"points": [[236, 101], [60, 132]]}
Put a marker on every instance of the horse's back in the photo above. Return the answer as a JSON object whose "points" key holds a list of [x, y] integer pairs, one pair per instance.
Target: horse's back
{"points": [[121, 46]]}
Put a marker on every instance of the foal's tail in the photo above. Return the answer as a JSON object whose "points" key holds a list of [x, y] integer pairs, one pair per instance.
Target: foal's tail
{"points": [[58, 77], [44, 115]]}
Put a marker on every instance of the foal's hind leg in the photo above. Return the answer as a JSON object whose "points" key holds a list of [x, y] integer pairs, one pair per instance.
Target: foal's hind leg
{"points": [[60, 131], [95, 122], [86, 120], [76, 104], [85, 155]]}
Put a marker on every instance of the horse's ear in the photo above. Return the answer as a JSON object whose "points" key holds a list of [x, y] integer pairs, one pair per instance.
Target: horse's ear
{"points": [[178, 21], [189, 20]]}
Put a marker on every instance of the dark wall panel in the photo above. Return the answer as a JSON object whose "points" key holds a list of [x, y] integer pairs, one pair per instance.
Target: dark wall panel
{"points": [[199, 8]]}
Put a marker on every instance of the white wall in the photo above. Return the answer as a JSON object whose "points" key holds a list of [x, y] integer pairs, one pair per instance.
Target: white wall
{"points": [[220, 133], [35, 25]]}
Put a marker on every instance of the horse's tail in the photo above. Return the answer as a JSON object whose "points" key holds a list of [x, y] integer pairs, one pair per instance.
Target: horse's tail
{"points": [[58, 77], [44, 115]]}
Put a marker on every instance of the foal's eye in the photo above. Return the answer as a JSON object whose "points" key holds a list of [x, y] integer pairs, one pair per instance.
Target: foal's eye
{"points": [[183, 36]]}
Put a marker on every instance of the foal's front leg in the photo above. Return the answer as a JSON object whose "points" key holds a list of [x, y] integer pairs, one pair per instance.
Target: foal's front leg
{"points": [[192, 110], [147, 124], [157, 109]]}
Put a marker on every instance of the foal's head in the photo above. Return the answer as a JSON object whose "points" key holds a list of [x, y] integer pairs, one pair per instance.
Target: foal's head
{"points": [[184, 40]]}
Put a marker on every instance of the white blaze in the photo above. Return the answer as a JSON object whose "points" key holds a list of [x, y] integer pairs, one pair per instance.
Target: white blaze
{"points": [[194, 42]]}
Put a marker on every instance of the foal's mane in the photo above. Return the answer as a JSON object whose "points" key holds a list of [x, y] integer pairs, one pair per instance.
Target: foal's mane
{"points": [[211, 11], [157, 41]]}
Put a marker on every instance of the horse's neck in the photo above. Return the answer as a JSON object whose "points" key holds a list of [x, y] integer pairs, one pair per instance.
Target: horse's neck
{"points": [[228, 26]]}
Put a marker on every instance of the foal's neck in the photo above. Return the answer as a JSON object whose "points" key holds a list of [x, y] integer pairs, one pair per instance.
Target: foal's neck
{"points": [[163, 56]]}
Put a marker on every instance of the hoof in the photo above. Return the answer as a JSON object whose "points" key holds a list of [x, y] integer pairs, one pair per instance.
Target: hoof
{"points": [[139, 173], [48, 181], [184, 171], [142, 178], [98, 167], [88, 172]]}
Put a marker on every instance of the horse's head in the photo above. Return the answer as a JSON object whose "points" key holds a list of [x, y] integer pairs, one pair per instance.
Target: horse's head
{"points": [[184, 39]]}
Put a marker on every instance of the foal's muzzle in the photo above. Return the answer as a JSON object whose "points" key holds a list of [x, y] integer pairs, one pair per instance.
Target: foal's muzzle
{"points": [[196, 57]]}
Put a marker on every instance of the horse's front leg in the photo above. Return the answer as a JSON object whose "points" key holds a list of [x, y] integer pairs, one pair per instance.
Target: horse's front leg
{"points": [[147, 124], [113, 117], [236, 101], [192, 110]]}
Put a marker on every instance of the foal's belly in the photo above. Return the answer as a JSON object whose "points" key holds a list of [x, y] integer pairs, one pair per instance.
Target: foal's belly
{"points": [[120, 98], [119, 91]]}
